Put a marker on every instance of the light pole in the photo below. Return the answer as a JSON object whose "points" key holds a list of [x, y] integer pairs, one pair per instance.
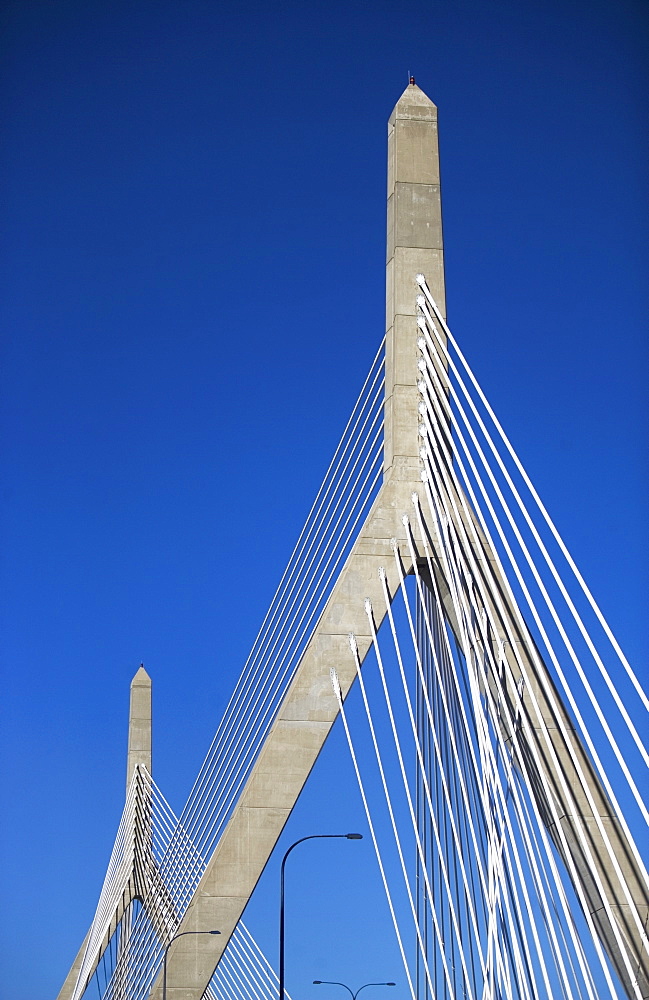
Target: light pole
{"points": [[164, 961], [325, 982], [314, 836]]}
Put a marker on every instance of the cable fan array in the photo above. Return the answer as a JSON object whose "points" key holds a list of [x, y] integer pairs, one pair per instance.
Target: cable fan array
{"points": [[347, 492], [493, 910], [138, 893]]}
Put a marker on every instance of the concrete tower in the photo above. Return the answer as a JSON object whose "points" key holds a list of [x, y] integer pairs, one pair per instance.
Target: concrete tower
{"points": [[414, 227]]}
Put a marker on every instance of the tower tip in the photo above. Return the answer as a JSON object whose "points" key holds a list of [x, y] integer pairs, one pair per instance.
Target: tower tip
{"points": [[139, 725], [141, 676], [414, 103]]}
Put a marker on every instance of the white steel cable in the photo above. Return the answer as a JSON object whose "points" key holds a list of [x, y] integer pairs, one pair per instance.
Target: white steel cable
{"points": [[537, 499], [118, 873], [544, 636], [449, 568], [449, 563], [308, 597], [482, 642], [248, 967], [552, 886], [457, 842], [605, 841], [293, 566], [338, 693], [231, 983], [284, 679], [192, 876], [238, 975], [387, 603], [282, 682], [440, 346], [313, 514], [320, 561], [548, 849], [181, 866], [137, 959], [476, 542], [144, 946], [450, 729], [256, 970], [462, 610], [581, 836], [449, 807], [449, 723], [550, 604], [520, 665], [419, 755], [395, 832], [196, 876], [521, 876], [262, 961]]}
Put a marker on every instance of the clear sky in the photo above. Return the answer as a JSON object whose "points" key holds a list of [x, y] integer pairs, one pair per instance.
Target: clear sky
{"points": [[192, 292]]}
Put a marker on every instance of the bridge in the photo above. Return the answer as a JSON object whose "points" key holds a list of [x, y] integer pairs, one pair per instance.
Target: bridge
{"points": [[501, 758]]}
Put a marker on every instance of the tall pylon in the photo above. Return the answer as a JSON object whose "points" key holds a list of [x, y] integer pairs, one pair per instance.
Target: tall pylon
{"points": [[414, 245]]}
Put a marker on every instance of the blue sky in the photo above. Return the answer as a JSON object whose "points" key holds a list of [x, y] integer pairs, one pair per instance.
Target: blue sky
{"points": [[192, 292]]}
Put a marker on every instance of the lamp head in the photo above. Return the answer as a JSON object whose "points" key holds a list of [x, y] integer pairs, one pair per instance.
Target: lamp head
{"points": [[214, 932], [317, 982], [354, 836]]}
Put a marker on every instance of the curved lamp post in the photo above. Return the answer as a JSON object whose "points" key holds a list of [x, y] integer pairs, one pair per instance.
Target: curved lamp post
{"points": [[326, 982], [164, 961], [314, 836]]}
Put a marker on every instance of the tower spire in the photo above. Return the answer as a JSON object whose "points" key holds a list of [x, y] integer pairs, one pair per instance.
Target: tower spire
{"points": [[139, 724], [414, 246]]}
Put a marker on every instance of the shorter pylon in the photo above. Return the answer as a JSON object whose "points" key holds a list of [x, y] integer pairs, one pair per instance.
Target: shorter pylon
{"points": [[132, 873]]}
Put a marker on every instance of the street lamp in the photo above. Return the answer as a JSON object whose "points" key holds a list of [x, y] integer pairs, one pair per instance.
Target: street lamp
{"points": [[164, 961], [314, 836], [325, 982]]}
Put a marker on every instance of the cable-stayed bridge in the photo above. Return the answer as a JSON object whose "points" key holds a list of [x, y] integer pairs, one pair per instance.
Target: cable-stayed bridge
{"points": [[499, 752]]}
